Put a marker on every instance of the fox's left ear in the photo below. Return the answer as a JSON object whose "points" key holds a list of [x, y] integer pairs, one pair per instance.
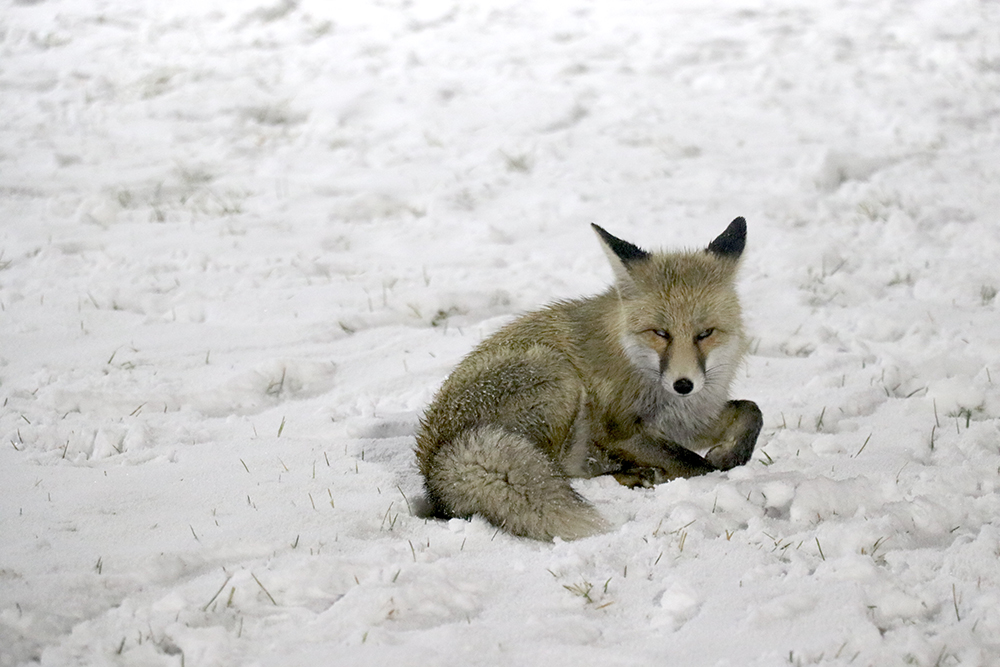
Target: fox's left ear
{"points": [[621, 254], [730, 243]]}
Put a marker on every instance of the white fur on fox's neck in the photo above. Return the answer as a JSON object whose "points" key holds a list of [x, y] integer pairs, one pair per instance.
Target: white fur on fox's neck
{"points": [[680, 418]]}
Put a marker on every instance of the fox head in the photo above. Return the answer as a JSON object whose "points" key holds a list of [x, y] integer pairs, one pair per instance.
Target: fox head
{"points": [[680, 322]]}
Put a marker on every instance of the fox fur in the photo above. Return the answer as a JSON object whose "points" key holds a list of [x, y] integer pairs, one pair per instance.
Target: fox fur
{"points": [[633, 382]]}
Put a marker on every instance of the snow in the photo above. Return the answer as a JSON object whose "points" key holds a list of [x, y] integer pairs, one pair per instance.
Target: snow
{"points": [[242, 244]]}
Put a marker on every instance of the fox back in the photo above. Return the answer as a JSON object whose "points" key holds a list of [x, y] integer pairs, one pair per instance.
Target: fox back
{"points": [[632, 382]]}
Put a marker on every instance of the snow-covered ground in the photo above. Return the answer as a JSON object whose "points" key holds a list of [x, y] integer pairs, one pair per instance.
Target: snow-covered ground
{"points": [[242, 244]]}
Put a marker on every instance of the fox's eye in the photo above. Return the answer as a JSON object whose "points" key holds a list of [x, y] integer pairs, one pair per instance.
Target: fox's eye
{"points": [[704, 334], [665, 335]]}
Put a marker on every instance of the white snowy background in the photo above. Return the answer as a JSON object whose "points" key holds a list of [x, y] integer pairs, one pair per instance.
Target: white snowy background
{"points": [[242, 243]]}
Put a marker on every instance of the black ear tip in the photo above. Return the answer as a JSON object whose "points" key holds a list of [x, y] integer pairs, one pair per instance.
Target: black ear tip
{"points": [[731, 242], [603, 234], [624, 250]]}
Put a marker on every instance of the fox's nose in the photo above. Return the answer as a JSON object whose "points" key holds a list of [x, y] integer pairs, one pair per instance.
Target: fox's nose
{"points": [[683, 386]]}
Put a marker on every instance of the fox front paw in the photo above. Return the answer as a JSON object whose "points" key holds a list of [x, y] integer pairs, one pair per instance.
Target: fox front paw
{"points": [[640, 477], [742, 421], [649, 476]]}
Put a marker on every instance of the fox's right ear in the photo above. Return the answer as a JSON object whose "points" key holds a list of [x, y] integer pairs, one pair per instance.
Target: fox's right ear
{"points": [[621, 254], [730, 243]]}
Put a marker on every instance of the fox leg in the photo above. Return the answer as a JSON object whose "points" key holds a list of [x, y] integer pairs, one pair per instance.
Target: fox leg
{"points": [[648, 477], [735, 436], [647, 462]]}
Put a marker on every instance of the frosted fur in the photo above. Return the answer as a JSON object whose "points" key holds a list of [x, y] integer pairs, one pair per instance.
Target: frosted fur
{"points": [[632, 383]]}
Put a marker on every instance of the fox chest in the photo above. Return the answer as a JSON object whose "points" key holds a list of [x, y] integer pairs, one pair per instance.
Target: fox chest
{"points": [[618, 427]]}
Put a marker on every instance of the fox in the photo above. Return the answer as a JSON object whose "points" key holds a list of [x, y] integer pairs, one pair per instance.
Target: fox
{"points": [[633, 382]]}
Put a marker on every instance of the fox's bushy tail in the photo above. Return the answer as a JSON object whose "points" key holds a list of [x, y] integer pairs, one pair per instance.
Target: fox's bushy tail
{"points": [[507, 480]]}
